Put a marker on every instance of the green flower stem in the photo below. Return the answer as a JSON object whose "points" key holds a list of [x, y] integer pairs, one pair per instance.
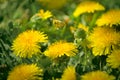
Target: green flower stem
{"points": [[85, 50], [100, 64], [94, 18], [63, 31]]}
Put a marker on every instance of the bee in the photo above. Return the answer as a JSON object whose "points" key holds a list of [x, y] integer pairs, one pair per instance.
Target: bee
{"points": [[58, 23]]}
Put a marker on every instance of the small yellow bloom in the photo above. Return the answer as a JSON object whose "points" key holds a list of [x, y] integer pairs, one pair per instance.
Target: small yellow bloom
{"points": [[87, 7], [102, 39], [61, 48], [97, 75], [114, 59], [26, 44], [81, 26], [69, 73], [44, 15], [54, 4], [25, 72], [110, 18]]}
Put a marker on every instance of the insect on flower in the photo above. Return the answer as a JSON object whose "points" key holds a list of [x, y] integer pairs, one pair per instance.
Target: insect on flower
{"points": [[58, 23]]}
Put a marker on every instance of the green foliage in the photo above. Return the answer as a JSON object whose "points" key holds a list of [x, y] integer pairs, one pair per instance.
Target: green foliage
{"points": [[17, 16]]}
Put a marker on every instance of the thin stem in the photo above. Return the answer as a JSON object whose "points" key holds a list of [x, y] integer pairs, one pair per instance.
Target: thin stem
{"points": [[94, 18]]}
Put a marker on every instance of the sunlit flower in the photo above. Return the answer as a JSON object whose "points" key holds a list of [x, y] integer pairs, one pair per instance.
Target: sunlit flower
{"points": [[102, 39], [44, 15], [87, 7], [25, 72], [81, 26], [26, 44], [114, 59], [54, 4], [69, 73], [97, 75], [111, 17], [61, 48]]}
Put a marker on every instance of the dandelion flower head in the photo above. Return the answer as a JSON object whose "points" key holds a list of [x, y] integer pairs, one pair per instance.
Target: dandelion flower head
{"points": [[26, 44], [25, 72], [113, 59], [109, 18], [44, 15], [87, 7], [102, 39], [69, 73], [61, 48], [97, 75]]}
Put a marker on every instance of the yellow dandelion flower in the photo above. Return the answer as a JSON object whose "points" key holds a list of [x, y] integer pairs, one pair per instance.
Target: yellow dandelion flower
{"points": [[44, 15], [61, 48], [111, 17], [54, 4], [81, 26], [102, 38], [114, 59], [25, 72], [69, 73], [87, 7], [26, 44], [97, 75]]}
